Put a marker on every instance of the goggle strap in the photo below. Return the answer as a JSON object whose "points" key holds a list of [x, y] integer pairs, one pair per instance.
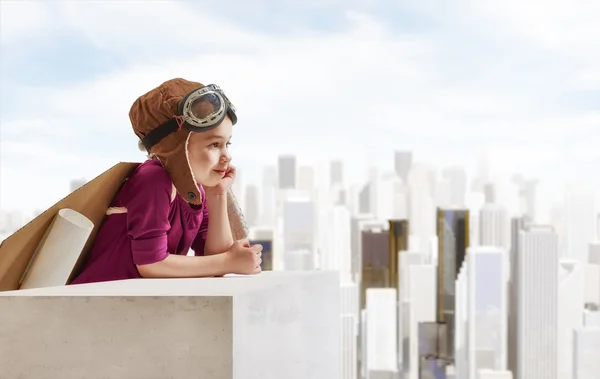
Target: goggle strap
{"points": [[157, 134]]}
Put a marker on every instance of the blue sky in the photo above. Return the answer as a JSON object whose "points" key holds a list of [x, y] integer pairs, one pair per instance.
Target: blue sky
{"points": [[516, 80]]}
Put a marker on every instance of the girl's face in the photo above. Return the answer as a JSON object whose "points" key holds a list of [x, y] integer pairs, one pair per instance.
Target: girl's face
{"points": [[208, 153]]}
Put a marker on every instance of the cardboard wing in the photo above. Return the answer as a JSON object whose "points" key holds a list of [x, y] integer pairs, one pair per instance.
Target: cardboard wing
{"points": [[91, 200]]}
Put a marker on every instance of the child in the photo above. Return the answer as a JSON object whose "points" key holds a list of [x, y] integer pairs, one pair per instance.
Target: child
{"points": [[162, 209]]}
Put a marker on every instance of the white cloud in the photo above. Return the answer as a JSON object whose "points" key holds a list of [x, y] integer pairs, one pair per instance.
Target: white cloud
{"points": [[31, 16], [312, 93]]}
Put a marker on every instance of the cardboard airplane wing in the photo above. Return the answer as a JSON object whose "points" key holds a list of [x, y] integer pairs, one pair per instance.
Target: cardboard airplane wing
{"points": [[91, 200]]}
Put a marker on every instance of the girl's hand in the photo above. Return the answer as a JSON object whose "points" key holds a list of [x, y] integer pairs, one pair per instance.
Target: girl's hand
{"points": [[241, 258], [224, 185]]}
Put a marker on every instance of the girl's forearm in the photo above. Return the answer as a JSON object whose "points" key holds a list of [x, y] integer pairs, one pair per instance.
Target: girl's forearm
{"points": [[218, 236], [183, 266]]}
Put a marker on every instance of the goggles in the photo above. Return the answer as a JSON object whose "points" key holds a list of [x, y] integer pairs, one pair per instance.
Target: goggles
{"points": [[199, 111]]}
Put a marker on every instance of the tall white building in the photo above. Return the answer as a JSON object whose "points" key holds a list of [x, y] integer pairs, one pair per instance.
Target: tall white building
{"points": [[586, 357], [462, 344], [299, 240], [349, 335], [421, 308], [306, 178], [287, 171], [571, 301], [487, 309], [381, 332], [405, 262], [493, 226], [336, 173], [337, 256], [350, 327], [251, 205], [421, 208], [580, 221], [269, 196], [537, 302], [402, 164], [475, 202]]}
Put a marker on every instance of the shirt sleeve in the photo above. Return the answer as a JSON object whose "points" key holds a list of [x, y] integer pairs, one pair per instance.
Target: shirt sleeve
{"points": [[148, 215], [200, 240]]}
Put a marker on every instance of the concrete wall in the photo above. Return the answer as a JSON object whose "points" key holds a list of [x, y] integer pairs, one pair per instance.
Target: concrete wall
{"points": [[273, 325]]}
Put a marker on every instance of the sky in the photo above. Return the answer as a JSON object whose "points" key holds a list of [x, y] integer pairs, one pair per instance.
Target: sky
{"points": [[516, 81]]}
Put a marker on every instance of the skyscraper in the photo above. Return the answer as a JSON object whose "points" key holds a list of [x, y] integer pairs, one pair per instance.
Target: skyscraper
{"points": [[399, 232], [517, 224], [487, 310], [251, 211], [375, 261], [286, 171], [453, 240], [537, 291], [299, 233], [364, 199], [402, 164], [336, 173], [306, 178], [493, 222]]}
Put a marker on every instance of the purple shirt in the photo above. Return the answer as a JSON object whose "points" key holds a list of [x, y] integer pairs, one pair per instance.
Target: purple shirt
{"points": [[153, 227]]}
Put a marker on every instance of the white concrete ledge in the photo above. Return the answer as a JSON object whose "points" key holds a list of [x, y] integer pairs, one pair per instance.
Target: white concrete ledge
{"points": [[272, 326]]}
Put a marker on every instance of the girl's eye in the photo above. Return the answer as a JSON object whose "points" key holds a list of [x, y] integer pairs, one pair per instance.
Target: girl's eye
{"points": [[228, 144], [215, 145]]}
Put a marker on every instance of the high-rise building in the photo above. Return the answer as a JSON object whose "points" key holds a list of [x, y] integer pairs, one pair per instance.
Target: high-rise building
{"points": [[306, 178], [453, 241], [286, 171], [402, 164], [375, 261], [381, 332], [336, 173], [269, 192], [336, 256], [398, 234], [421, 308], [571, 303], [594, 253], [537, 291], [364, 199], [487, 310], [251, 208], [586, 350], [359, 223], [348, 343], [493, 222], [299, 233], [516, 224]]}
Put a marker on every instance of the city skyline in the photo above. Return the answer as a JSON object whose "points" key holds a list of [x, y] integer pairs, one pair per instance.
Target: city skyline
{"points": [[448, 83], [441, 158]]}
